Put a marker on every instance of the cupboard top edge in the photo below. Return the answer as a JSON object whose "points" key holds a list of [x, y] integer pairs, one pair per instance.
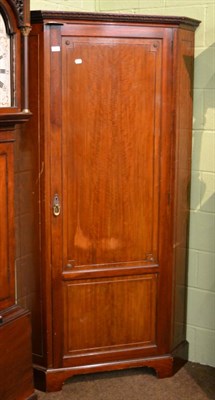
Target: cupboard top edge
{"points": [[39, 16]]}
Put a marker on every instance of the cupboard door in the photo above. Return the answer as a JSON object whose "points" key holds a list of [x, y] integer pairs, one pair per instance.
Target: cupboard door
{"points": [[111, 110], [6, 226]]}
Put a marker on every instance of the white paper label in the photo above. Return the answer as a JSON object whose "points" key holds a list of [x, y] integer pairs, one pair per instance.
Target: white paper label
{"points": [[55, 48]]}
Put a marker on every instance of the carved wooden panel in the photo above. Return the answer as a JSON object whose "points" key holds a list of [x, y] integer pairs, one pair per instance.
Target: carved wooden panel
{"points": [[21, 9]]}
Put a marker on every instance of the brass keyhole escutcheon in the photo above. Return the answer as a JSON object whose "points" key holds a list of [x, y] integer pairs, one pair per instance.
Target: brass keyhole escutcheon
{"points": [[56, 205]]}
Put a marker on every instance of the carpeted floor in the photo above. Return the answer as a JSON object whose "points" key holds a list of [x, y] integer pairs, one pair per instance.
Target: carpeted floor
{"points": [[192, 382]]}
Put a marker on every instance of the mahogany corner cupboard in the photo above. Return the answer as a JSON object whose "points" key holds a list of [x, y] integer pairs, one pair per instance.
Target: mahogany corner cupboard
{"points": [[108, 151]]}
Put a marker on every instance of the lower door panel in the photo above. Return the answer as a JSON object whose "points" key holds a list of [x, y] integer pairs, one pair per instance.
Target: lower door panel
{"points": [[108, 317]]}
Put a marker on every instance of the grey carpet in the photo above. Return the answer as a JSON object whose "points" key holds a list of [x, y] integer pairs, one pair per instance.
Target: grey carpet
{"points": [[192, 382]]}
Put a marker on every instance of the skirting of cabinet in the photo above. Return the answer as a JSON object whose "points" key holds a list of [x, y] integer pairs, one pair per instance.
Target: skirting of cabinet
{"points": [[50, 380]]}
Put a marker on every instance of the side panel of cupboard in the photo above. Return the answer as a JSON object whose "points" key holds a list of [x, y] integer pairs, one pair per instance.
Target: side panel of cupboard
{"points": [[183, 98], [108, 185], [33, 251]]}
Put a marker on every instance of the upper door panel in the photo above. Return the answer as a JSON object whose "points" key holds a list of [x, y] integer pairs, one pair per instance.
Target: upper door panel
{"points": [[111, 105]]}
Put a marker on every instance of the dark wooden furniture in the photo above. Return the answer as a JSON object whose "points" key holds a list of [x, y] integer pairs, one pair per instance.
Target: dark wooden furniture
{"points": [[110, 148], [16, 372]]}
